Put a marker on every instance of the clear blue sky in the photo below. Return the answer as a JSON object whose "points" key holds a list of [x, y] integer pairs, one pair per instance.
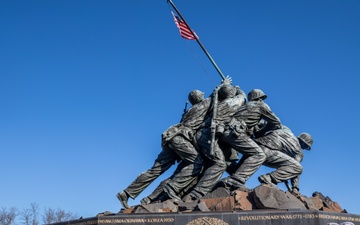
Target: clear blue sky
{"points": [[87, 88]]}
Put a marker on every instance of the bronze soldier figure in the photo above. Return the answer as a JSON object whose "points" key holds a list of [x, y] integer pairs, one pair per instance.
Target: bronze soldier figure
{"points": [[306, 142], [275, 144], [230, 100], [238, 134], [284, 152], [176, 145]]}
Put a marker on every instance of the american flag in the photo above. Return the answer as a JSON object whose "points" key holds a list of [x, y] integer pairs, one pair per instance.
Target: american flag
{"points": [[184, 30]]}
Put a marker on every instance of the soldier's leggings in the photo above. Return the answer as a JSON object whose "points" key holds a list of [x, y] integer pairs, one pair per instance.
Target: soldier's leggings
{"points": [[253, 156], [178, 148], [286, 166]]}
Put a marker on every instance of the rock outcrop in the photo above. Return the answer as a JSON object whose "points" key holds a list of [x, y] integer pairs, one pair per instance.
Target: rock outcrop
{"points": [[261, 197]]}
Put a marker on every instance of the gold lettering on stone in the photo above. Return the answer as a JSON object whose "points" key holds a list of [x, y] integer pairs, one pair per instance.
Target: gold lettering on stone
{"points": [[299, 216], [90, 222], [136, 220], [274, 217]]}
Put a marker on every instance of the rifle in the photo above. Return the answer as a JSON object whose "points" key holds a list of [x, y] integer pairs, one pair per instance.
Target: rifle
{"points": [[213, 121], [185, 109]]}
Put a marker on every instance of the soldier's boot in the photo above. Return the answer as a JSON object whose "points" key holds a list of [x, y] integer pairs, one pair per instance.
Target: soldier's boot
{"points": [[295, 192], [242, 188], [171, 193], [123, 198], [233, 186], [223, 184], [145, 201], [266, 179], [192, 196], [189, 198]]}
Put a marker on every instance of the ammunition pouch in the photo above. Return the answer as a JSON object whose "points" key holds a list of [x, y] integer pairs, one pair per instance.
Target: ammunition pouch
{"points": [[177, 129], [238, 126], [234, 155], [220, 128]]}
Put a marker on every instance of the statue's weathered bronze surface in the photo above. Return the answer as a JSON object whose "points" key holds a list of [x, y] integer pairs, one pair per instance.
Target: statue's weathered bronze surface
{"points": [[238, 134], [227, 101], [176, 145], [208, 141], [283, 151]]}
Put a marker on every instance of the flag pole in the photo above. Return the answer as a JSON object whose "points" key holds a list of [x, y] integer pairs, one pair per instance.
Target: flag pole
{"points": [[198, 41]]}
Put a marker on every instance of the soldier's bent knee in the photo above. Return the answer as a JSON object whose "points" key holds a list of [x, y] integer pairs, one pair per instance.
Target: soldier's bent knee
{"points": [[261, 157], [222, 165], [299, 168]]}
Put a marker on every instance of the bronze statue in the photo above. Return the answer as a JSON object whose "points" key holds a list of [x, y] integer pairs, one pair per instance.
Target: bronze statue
{"points": [[283, 151], [207, 142], [306, 142], [176, 145], [238, 134], [228, 100], [274, 145]]}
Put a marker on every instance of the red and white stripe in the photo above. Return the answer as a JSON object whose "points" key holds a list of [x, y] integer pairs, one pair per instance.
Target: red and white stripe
{"points": [[184, 30]]}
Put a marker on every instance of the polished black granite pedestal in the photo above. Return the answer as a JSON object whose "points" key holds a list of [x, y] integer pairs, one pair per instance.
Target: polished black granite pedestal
{"points": [[254, 217]]}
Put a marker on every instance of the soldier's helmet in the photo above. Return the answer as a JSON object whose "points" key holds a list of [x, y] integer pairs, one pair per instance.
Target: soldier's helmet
{"points": [[196, 96], [306, 139], [256, 94], [226, 91]]}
